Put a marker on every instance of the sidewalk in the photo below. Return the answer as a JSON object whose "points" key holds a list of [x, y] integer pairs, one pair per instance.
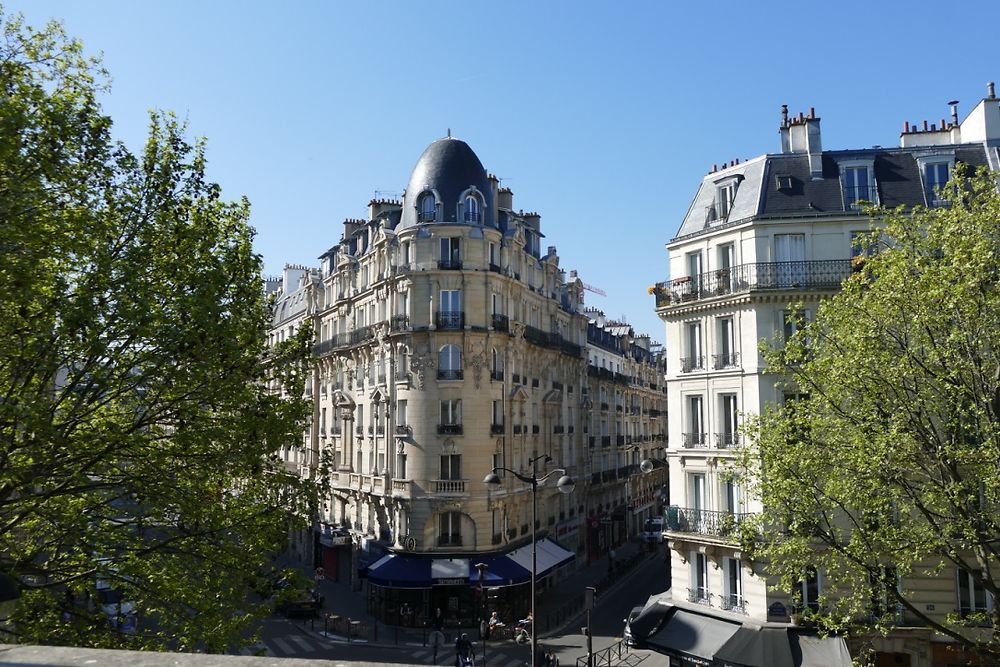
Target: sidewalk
{"points": [[557, 606]]}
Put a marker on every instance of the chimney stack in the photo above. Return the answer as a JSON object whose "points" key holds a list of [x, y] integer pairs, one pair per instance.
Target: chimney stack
{"points": [[802, 134], [954, 111], [990, 91]]}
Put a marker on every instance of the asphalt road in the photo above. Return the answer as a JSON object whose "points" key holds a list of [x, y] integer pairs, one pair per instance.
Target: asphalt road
{"points": [[285, 638]]}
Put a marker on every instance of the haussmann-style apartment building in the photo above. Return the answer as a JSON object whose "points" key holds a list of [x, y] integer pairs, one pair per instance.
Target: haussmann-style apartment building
{"points": [[759, 237], [450, 342]]}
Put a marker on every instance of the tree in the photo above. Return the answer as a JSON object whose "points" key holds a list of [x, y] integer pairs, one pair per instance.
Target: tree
{"points": [[139, 417], [890, 469]]}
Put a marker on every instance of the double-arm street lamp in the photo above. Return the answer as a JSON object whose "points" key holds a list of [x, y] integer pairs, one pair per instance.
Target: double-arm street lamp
{"points": [[565, 485]]}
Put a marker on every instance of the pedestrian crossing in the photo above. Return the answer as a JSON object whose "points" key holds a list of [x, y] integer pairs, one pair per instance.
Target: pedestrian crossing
{"points": [[294, 644]]}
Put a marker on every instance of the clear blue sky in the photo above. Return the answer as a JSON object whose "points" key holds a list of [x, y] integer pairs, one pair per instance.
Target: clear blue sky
{"points": [[601, 116]]}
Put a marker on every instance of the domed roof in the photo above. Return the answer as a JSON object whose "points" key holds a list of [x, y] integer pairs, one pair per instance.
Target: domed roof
{"points": [[448, 168]]}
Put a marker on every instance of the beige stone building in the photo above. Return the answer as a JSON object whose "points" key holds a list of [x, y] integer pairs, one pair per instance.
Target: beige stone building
{"points": [[449, 342]]}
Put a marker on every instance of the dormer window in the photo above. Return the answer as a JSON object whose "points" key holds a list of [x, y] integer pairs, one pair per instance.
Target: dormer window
{"points": [[724, 199], [471, 206], [936, 176], [858, 182], [427, 210]]}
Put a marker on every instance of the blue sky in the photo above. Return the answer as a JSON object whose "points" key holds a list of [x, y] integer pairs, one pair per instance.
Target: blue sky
{"points": [[601, 116]]}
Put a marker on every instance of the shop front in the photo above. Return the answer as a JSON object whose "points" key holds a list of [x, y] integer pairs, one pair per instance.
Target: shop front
{"points": [[407, 589]]}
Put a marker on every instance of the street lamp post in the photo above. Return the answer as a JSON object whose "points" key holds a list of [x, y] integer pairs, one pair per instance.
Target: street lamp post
{"points": [[564, 485], [484, 628]]}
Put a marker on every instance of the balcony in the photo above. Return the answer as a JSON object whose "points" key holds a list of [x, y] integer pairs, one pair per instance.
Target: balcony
{"points": [[449, 429], [517, 429], [496, 429], [728, 360], [426, 216], [604, 407], [695, 440], [450, 264], [734, 603], [727, 440], [536, 429], [757, 276], [495, 268], [496, 376], [558, 429], [449, 486], [402, 488], [449, 319], [399, 323], [500, 322], [698, 595], [689, 364], [703, 522], [605, 441], [451, 540], [449, 374], [403, 429]]}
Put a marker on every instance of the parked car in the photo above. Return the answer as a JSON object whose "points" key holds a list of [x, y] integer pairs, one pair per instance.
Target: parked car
{"points": [[627, 632]]}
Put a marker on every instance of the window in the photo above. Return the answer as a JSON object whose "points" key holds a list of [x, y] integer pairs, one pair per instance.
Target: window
{"points": [[451, 412], [724, 196], [731, 496], [494, 259], [427, 209], [972, 597], [694, 264], [496, 423], [451, 466], [450, 363], [883, 601], [471, 208], [450, 529], [809, 590], [792, 321], [694, 359], [935, 177], [695, 437], [450, 313], [696, 493], [727, 344], [728, 426], [699, 578], [790, 255], [451, 255], [858, 186], [401, 412], [733, 579]]}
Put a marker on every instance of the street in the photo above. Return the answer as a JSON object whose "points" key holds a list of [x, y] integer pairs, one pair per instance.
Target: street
{"points": [[281, 637]]}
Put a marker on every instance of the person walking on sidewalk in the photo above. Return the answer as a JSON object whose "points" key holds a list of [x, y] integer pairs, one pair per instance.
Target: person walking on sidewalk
{"points": [[463, 651]]}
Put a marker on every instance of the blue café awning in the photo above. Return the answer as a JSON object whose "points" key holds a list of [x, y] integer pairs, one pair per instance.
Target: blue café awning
{"points": [[397, 571], [425, 571], [500, 571]]}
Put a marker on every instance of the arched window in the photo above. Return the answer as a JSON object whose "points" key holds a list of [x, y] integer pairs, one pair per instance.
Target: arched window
{"points": [[428, 207], [471, 208], [450, 363]]}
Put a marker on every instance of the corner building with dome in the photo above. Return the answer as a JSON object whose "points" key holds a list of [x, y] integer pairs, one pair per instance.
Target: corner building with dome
{"points": [[447, 343]]}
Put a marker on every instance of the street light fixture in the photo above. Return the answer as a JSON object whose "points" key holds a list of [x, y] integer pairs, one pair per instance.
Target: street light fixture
{"points": [[565, 484]]}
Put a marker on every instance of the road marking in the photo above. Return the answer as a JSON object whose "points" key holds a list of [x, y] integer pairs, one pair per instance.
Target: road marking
{"points": [[285, 648], [306, 646]]}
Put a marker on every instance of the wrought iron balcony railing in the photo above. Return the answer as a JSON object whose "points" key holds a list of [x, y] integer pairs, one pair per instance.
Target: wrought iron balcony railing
{"points": [[500, 322], [698, 595], [496, 429], [450, 320], [827, 274], [450, 374], [689, 364], [450, 429], [728, 360], [727, 440], [695, 440], [703, 522], [734, 602], [449, 264]]}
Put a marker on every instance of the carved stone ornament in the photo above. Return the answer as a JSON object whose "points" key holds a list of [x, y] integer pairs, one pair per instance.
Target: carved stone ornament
{"points": [[517, 329], [421, 364]]}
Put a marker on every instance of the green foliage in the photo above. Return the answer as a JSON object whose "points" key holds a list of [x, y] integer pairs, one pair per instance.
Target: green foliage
{"points": [[139, 428], [894, 460]]}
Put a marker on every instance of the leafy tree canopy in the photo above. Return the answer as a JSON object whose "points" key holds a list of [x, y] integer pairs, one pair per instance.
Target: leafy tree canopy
{"points": [[138, 423], [891, 468]]}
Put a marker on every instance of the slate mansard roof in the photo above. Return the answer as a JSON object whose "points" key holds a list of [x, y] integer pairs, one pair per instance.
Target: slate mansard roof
{"points": [[759, 195], [448, 168]]}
